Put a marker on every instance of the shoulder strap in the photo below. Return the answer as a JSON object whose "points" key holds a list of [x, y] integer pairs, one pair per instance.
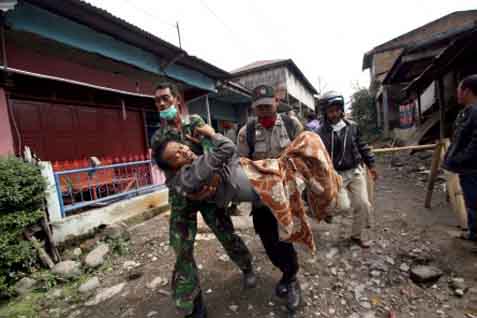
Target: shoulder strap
{"points": [[251, 136], [289, 125]]}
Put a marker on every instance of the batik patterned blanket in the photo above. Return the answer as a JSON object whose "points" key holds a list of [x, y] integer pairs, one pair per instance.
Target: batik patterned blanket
{"points": [[304, 164]]}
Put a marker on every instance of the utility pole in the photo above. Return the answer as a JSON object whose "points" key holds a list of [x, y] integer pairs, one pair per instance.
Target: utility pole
{"points": [[179, 34]]}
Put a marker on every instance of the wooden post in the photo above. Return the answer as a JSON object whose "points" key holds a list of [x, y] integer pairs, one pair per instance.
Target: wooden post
{"points": [[207, 106], [378, 115], [436, 160], [386, 111], [419, 109], [440, 97], [454, 191]]}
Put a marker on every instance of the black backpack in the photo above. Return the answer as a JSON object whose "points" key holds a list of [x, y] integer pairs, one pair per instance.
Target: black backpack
{"points": [[251, 131]]}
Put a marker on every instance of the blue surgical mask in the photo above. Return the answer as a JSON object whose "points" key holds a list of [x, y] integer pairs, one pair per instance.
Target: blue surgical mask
{"points": [[169, 113]]}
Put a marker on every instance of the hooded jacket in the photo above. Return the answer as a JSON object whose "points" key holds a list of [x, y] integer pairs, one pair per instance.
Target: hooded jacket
{"points": [[346, 148], [461, 157]]}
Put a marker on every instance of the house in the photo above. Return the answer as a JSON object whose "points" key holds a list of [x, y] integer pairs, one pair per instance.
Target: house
{"points": [[76, 88], [285, 76], [395, 63], [452, 65]]}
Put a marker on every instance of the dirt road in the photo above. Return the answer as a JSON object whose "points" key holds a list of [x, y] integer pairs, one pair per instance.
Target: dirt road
{"points": [[339, 281]]}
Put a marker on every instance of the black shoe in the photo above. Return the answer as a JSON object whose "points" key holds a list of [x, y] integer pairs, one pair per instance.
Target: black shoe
{"points": [[199, 308], [249, 279], [293, 296], [281, 290]]}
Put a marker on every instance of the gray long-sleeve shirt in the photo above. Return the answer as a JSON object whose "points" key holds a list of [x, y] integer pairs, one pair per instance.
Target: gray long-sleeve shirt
{"points": [[223, 160]]}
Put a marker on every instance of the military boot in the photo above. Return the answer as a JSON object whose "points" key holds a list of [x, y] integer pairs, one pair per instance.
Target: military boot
{"points": [[293, 295], [199, 308], [249, 279]]}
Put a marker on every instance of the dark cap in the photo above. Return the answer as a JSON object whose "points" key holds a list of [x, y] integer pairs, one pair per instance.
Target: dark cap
{"points": [[263, 95]]}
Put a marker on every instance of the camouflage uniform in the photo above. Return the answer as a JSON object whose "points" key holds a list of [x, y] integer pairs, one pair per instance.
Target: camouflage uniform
{"points": [[183, 226]]}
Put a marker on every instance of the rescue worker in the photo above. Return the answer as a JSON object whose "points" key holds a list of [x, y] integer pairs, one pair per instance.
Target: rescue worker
{"points": [[462, 154], [183, 220], [262, 138], [348, 152]]}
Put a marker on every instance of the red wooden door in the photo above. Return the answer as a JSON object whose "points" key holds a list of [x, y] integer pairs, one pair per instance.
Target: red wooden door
{"points": [[57, 132]]}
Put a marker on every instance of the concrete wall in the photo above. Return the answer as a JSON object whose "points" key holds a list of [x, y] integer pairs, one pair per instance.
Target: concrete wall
{"points": [[279, 78], [86, 222], [273, 77], [6, 137], [428, 98], [298, 90], [382, 62]]}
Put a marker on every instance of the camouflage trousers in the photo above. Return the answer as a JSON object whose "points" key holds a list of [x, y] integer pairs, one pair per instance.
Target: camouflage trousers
{"points": [[183, 230]]}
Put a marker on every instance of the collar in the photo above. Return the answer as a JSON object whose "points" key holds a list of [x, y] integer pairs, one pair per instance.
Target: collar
{"points": [[278, 122], [339, 126]]}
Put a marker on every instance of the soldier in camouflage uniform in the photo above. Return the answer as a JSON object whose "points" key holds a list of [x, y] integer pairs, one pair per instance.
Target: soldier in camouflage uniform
{"points": [[183, 221]]}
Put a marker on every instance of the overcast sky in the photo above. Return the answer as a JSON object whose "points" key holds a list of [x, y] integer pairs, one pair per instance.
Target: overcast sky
{"points": [[326, 39]]}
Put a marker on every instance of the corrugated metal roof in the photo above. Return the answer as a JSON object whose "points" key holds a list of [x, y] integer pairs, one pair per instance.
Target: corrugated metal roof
{"points": [[256, 64], [394, 43], [269, 64], [103, 21]]}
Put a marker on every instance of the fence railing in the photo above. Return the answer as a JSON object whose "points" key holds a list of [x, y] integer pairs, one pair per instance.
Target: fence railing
{"points": [[85, 188]]}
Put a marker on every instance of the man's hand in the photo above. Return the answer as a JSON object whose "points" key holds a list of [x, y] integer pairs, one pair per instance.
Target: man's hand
{"points": [[205, 130], [207, 190], [192, 139], [373, 173]]}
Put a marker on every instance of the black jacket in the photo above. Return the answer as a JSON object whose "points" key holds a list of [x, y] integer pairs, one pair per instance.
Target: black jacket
{"points": [[461, 157], [346, 148]]}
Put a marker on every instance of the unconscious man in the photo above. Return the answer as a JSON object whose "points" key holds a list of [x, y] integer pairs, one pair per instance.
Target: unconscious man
{"points": [[277, 183]]}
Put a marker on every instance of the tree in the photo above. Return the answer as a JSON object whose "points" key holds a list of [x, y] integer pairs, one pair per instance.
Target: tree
{"points": [[363, 111]]}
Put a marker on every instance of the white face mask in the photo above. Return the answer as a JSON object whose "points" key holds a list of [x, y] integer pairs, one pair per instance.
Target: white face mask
{"points": [[338, 126]]}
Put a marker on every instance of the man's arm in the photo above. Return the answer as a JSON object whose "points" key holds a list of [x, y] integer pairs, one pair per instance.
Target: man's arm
{"points": [[470, 152], [242, 145], [191, 178], [366, 153], [297, 127]]}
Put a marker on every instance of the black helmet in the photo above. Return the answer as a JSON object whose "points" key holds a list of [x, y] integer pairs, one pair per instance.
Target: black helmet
{"points": [[331, 98]]}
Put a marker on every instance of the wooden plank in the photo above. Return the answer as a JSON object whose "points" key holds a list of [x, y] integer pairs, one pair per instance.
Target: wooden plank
{"points": [[454, 191], [394, 149], [436, 160]]}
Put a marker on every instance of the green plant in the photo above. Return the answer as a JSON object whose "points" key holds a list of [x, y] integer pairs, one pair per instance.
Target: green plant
{"points": [[46, 280], [22, 189], [363, 111], [119, 246]]}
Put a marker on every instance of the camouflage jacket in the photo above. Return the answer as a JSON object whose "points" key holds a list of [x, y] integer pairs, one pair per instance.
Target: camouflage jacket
{"points": [[167, 132]]}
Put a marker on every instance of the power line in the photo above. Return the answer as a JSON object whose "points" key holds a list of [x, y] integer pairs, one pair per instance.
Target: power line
{"points": [[229, 29], [218, 17], [160, 20]]}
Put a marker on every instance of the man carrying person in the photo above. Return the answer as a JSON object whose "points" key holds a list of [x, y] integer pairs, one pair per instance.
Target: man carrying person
{"points": [[348, 152], [461, 158], [263, 138], [183, 220]]}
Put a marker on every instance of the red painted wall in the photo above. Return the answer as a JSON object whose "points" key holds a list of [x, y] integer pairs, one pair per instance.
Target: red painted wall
{"points": [[33, 61], [6, 138]]}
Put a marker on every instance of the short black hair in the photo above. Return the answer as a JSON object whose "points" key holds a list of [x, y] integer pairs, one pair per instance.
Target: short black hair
{"points": [[470, 82], [170, 85], [311, 116], [158, 153]]}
